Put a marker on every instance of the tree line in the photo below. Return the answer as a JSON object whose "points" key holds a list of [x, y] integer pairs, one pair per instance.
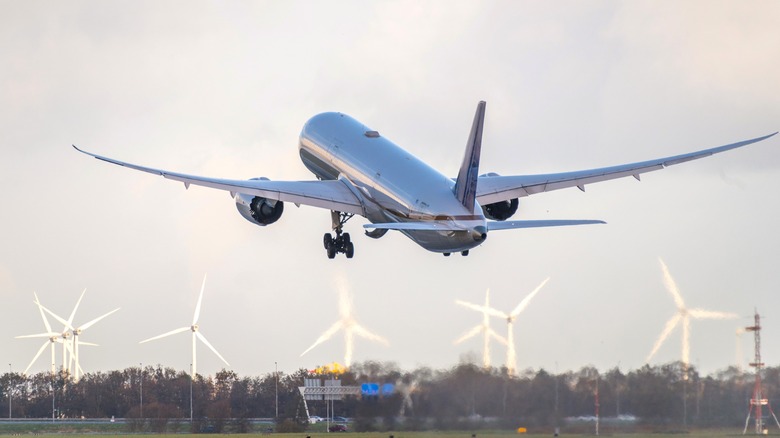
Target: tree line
{"points": [[467, 396]]}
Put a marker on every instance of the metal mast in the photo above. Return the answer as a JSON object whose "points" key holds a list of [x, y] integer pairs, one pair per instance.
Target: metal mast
{"points": [[758, 400]]}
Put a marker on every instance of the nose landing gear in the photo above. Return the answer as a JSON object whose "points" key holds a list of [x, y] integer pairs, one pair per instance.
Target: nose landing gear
{"points": [[342, 242]]}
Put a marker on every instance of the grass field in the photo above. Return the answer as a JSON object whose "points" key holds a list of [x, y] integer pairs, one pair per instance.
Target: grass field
{"points": [[100, 430], [490, 434]]}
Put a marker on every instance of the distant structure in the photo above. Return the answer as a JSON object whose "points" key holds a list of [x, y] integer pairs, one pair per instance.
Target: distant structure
{"points": [[483, 328], [758, 400], [683, 315], [196, 334], [327, 388], [69, 337], [511, 354], [348, 324]]}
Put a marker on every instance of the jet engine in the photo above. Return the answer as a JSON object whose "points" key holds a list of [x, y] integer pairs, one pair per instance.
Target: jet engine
{"points": [[259, 211], [502, 210]]}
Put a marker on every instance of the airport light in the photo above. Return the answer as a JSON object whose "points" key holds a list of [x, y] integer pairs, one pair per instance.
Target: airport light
{"points": [[9, 391], [141, 365], [191, 395], [276, 388], [51, 385]]}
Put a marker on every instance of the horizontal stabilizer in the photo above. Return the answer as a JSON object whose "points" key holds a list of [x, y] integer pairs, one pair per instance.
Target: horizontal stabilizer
{"points": [[417, 226], [509, 225]]}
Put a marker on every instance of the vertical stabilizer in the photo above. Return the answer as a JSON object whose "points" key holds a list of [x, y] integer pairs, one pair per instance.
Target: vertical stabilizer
{"points": [[466, 184]]}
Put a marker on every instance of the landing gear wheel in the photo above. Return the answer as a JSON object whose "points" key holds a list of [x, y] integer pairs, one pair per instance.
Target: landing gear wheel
{"points": [[446, 254], [342, 242]]}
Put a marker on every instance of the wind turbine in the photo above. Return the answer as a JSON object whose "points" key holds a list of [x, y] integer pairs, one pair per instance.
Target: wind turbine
{"points": [[75, 332], [53, 338], [347, 323], [738, 349], [511, 355], [483, 328], [406, 389], [195, 329], [63, 337], [683, 314]]}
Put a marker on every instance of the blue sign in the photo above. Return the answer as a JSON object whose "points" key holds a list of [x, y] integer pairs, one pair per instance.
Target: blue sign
{"points": [[369, 389]]}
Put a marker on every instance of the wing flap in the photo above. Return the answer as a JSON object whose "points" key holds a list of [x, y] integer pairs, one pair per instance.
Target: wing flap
{"points": [[332, 195], [499, 188]]}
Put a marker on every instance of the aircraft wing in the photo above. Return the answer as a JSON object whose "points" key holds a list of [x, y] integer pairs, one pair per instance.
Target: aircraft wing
{"points": [[500, 188], [332, 195]]}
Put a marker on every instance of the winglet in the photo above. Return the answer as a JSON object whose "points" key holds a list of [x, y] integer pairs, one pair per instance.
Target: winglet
{"points": [[466, 184]]}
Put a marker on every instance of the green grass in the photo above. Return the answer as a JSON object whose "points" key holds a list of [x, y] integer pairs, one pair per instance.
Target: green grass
{"points": [[100, 430]]}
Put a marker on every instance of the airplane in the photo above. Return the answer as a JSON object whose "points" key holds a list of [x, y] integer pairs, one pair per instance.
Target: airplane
{"points": [[361, 172]]}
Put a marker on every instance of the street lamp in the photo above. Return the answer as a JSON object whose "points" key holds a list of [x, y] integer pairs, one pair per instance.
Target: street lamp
{"points": [[9, 391], [142, 389], [276, 388], [190, 395]]}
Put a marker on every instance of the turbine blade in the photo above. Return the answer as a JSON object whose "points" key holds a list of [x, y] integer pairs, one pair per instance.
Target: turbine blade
{"points": [[482, 309], [39, 335], [470, 334], [91, 323], [172, 332], [325, 336], [62, 321], [203, 339], [43, 315], [37, 355], [709, 314], [345, 301], [91, 344], [73, 313], [363, 333], [497, 337], [664, 334], [527, 300], [671, 286], [200, 299]]}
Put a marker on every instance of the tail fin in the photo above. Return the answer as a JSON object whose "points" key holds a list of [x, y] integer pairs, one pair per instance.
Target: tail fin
{"points": [[466, 184]]}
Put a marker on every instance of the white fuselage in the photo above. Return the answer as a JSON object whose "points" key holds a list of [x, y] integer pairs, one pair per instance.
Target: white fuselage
{"points": [[392, 184]]}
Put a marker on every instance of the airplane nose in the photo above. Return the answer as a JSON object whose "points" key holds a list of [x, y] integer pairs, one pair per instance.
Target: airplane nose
{"points": [[479, 233]]}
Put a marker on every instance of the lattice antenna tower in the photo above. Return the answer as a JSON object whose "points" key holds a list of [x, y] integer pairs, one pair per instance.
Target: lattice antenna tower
{"points": [[758, 400]]}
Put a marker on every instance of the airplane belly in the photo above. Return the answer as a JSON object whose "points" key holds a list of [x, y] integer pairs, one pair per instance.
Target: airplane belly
{"points": [[443, 241]]}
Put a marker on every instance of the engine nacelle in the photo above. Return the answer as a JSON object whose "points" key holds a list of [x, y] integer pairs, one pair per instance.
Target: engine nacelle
{"points": [[259, 211], [502, 210]]}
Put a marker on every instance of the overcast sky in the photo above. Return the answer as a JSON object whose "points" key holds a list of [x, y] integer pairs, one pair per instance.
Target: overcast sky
{"points": [[222, 89]]}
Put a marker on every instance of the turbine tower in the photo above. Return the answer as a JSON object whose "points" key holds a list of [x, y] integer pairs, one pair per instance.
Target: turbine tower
{"points": [[483, 328], [196, 334], [683, 314], [347, 323], [511, 354]]}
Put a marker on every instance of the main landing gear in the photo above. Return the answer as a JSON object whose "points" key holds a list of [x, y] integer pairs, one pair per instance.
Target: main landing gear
{"points": [[341, 243]]}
